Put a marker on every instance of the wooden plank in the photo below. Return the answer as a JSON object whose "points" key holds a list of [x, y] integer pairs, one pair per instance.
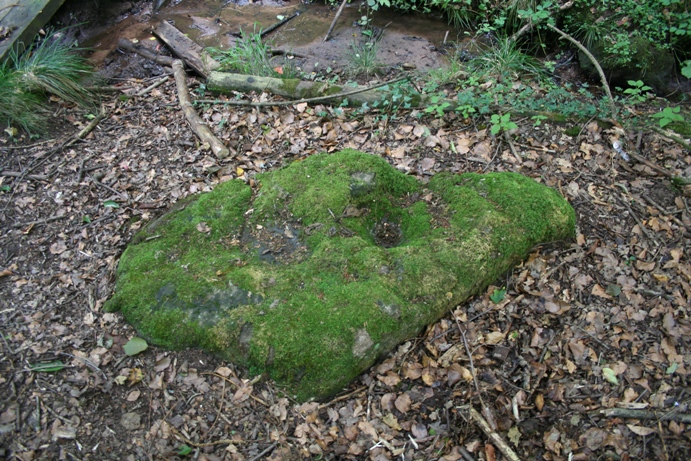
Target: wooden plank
{"points": [[21, 20], [186, 49]]}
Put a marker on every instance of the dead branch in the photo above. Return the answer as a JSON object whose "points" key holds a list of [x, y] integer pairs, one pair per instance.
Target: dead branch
{"points": [[646, 414], [152, 86], [186, 49], [590, 56], [530, 24], [678, 180], [140, 50], [40, 221], [335, 96], [333, 23], [485, 409], [493, 436], [198, 126], [270, 29], [672, 136]]}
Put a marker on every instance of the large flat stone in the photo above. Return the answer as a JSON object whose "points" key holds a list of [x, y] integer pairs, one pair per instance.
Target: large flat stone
{"points": [[328, 264]]}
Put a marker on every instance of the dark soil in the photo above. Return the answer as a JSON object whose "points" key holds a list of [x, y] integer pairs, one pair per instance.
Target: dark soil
{"points": [[568, 349]]}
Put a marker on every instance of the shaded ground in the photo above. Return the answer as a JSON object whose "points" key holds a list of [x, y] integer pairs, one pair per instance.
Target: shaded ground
{"points": [[597, 324]]}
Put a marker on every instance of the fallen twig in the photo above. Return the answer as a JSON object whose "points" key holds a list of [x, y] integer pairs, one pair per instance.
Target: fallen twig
{"points": [[590, 56], [493, 436], [304, 100], [333, 23], [638, 221], [270, 29], [16, 174], [507, 138], [678, 180], [252, 396], [152, 86], [485, 409], [671, 136], [198, 126], [646, 414], [140, 50], [530, 24], [40, 221]]}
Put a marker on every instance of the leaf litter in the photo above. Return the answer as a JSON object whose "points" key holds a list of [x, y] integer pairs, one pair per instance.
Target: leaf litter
{"points": [[576, 332]]}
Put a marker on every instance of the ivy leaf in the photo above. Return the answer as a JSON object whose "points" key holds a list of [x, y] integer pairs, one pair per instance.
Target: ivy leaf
{"points": [[497, 296], [134, 346], [184, 450], [686, 70]]}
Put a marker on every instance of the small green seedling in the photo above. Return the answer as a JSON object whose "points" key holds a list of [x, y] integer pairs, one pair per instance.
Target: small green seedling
{"points": [[669, 115], [497, 296], [639, 91], [686, 69], [538, 119], [501, 123]]}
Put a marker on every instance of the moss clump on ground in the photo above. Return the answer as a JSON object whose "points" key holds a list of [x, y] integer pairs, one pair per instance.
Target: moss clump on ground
{"points": [[329, 264]]}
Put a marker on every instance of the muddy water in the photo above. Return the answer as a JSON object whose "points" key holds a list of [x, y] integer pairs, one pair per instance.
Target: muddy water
{"points": [[407, 39]]}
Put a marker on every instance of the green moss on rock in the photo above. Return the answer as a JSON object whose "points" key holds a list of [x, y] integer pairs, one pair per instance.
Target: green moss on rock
{"points": [[329, 264]]}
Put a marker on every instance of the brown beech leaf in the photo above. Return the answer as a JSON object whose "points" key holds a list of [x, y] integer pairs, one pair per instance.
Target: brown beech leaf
{"points": [[551, 441], [391, 379], [391, 421], [641, 430], [403, 403]]}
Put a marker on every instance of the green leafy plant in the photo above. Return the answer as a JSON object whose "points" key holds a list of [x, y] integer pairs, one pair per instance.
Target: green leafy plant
{"points": [[252, 56], [437, 105], [538, 119], [686, 69], [638, 91], [669, 115], [184, 450], [497, 295], [501, 123], [505, 60]]}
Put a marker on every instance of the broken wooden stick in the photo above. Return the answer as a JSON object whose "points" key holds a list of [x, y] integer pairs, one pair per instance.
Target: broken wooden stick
{"points": [[198, 126], [646, 414], [148, 54], [186, 49], [333, 23], [603, 79], [278, 24], [493, 436]]}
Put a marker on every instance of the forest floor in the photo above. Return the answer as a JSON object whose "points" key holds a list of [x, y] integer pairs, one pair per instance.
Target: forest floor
{"points": [[585, 356]]}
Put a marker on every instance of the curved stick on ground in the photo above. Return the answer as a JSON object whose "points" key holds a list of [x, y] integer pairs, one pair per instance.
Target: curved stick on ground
{"points": [[492, 435], [590, 56], [530, 24], [198, 126]]}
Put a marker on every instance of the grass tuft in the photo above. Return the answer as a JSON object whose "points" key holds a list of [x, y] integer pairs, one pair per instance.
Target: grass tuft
{"points": [[362, 59], [505, 60], [252, 56], [47, 67]]}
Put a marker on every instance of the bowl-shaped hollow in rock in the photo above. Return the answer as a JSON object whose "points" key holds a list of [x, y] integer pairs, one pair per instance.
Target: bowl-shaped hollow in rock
{"points": [[328, 264]]}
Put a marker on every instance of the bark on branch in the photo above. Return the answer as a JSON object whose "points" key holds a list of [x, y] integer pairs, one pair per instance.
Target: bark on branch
{"points": [[193, 118]]}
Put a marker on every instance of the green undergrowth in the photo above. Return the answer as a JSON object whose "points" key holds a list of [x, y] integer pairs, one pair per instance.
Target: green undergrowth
{"points": [[293, 280], [49, 66], [251, 55]]}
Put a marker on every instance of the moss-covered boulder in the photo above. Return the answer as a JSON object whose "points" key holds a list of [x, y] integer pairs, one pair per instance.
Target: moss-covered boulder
{"points": [[328, 264]]}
